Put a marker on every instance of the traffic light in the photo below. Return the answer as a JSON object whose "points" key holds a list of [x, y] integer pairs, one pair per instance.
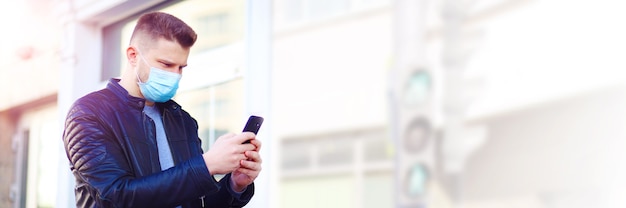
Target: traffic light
{"points": [[414, 133]]}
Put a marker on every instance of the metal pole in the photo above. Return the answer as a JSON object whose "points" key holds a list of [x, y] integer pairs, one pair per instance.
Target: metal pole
{"points": [[258, 98]]}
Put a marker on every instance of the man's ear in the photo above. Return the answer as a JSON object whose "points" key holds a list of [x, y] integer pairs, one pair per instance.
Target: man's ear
{"points": [[131, 55]]}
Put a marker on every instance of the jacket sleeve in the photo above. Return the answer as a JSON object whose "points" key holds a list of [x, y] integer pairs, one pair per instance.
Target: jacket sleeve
{"points": [[101, 167], [226, 196]]}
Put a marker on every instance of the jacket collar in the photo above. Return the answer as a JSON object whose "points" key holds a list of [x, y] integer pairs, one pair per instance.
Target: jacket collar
{"points": [[122, 94]]}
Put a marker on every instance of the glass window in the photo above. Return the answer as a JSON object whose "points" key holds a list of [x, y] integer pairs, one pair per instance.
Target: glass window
{"points": [[337, 151], [296, 155], [36, 158], [377, 148], [211, 89], [217, 108]]}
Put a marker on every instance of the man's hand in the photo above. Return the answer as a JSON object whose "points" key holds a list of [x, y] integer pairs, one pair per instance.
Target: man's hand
{"points": [[249, 169], [227, 152]]}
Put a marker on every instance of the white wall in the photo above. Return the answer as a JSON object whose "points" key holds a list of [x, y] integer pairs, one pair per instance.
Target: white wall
{"points": [[332, 77], [563, 154], [553, 101], [535, 51]]}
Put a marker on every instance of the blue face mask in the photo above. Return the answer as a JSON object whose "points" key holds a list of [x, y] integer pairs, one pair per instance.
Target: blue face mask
{"points": [[161, 85]]}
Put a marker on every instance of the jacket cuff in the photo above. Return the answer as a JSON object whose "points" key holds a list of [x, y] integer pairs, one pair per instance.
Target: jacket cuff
{"points": [[243, 196], [203, 178]]}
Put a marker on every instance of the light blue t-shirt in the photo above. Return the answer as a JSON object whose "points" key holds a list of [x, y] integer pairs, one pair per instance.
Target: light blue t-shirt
{"points": [[165, 153]]}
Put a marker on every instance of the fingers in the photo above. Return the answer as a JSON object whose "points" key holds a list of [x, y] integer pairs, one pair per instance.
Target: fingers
{"points": [[253, 161], [249, 172], [228, 135], [253, 156], [246, 136], [240, 138], [256, 143], [237, 138], [235, 141], [250, 168]]}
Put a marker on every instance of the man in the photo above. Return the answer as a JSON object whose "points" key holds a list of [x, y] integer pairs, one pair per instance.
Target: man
{"points": [[130, 145]]}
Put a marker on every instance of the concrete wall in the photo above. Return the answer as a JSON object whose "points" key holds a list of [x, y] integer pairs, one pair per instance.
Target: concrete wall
{"points": [[332, 76], [568, 153], [30, 54], [7, 157]]}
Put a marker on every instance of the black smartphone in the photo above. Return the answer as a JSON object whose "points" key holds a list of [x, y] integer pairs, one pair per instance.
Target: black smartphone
{"points": [[253, 125]]}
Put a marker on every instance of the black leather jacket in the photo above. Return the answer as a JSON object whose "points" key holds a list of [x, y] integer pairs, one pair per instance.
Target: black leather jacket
{"points": [[111, 146]]}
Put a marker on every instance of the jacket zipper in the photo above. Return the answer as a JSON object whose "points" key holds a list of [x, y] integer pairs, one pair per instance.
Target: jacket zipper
{"points": [[202, 200]]}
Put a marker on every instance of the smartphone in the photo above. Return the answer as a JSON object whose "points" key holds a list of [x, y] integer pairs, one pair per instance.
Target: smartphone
{"points": [[253, 125]]}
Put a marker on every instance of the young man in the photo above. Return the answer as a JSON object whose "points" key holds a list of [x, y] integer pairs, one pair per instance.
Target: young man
{"points": [[130, 145]]}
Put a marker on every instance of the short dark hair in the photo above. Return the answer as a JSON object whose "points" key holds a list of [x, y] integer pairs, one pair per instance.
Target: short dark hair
{"points": [[162, 25]]}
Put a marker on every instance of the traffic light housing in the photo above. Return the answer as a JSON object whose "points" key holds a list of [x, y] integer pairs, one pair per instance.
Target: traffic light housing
{"points": [[414, 130]]}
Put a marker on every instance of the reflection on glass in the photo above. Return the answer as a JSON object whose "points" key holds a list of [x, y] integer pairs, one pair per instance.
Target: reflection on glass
{"points": [[217, 22], [217, 108]]}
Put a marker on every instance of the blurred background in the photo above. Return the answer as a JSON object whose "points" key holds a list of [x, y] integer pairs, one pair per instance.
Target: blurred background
{"points": [[368, 103]]}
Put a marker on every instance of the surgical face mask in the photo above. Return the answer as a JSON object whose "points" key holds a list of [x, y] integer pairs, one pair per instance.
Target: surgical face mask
{"points": [[161, 85]]}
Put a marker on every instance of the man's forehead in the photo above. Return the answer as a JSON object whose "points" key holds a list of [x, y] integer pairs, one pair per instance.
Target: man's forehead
{"points": [[168, 51]]}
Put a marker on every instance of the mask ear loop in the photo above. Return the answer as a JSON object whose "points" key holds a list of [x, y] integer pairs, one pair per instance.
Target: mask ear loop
{"points": [[137, 75], [137, 70]]}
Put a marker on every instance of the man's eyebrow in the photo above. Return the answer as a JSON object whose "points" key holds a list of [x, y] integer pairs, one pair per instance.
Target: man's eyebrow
{"points": [[166, 61]]}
